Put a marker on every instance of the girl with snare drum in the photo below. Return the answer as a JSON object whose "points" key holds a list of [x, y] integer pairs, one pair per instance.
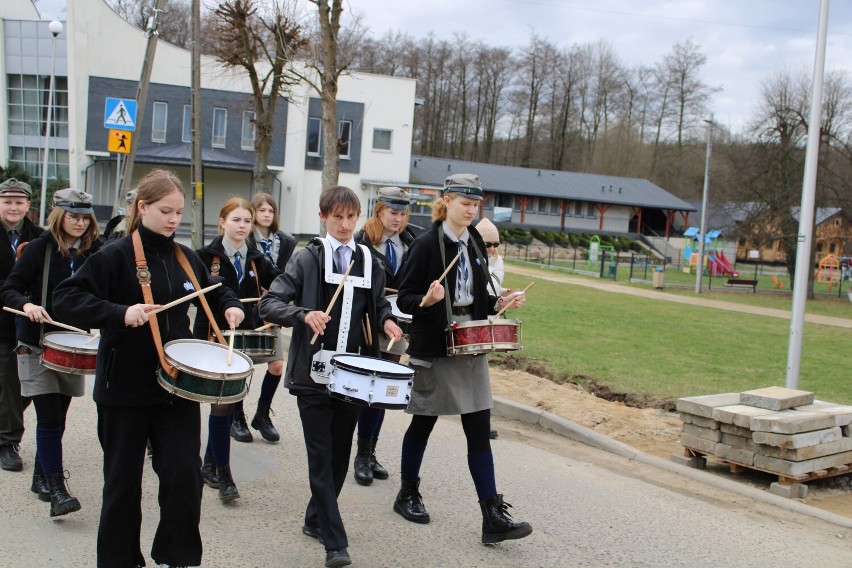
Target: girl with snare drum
{"points": [[71, 237], [109, 293], [459, 384], [247, 272]]}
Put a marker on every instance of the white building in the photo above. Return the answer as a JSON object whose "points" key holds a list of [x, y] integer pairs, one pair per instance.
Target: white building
{"points": [[100, 55]]}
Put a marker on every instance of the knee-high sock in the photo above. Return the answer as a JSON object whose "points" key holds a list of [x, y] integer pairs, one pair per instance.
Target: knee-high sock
{"points": [[219, 438], [412, 457], [370, 422], [49, 448], [481, 465], [268, 387]]}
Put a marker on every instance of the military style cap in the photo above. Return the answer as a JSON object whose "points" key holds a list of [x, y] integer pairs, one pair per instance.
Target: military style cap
{"points": [[74, 201], [395, 198], [465, 184], [14, 187]]}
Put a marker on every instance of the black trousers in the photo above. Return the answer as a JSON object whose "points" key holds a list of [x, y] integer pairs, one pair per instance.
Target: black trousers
{"points": [[175, 433], [328, 425], [12, 404]]}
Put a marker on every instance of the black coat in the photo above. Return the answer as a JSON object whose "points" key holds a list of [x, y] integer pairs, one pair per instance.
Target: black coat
{"points": [[266, 273], [25, 283], [29, 231], [299, 291], [422, 267], [98, 295], [285, 249], [391, 279]]}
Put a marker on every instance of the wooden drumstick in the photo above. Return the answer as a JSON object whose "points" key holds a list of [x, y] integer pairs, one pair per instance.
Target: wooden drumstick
{"points": [[364, 331], [336, 294], [441, 277], [249, 300], [50, 321], [265, 327], [184, 299], [390, 343], [391, 290], [231, 347], [369, 330], [512, 301], [95, 336]]}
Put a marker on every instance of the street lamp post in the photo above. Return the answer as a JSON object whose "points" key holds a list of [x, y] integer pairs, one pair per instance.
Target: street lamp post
{"points": [[55, 29], [699, 269]]}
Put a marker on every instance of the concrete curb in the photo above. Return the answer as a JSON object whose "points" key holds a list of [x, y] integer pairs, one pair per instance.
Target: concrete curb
{"points": [[515, 411]]}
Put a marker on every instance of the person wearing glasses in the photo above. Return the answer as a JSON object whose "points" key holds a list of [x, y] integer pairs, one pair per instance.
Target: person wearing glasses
{"points": [[71, 237], [495, 262]]}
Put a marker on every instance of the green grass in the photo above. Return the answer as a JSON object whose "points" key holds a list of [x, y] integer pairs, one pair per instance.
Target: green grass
{"points": [[644, 346]]}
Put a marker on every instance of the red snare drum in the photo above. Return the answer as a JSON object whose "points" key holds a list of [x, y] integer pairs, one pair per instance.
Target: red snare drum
{"points": [[70, 352], [483, 336]]}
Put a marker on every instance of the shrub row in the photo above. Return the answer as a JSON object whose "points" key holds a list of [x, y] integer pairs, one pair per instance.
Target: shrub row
{"points": [[522, 237]]}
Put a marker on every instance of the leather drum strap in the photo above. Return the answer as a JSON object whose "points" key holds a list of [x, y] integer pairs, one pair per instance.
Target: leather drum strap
{"points": [[144, 277], [184, 263]]}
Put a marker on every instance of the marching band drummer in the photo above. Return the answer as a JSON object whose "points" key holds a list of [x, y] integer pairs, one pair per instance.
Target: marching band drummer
{"points": [[278, 247], [451, 385], [387, 233], [247, 272], [107, 293], [71, 237]]}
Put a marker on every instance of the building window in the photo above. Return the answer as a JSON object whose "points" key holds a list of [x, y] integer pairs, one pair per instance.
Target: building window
{"points": [[578, 208], [516, 205], [831, 248], [487, 204], [554, 207], [220, 127], [344, 133], [382, 139], [158, 122], [186, 132], [31, 159], [248, 131], [543, 205], [27, 106], [530, 205], [592, 211], [314, 136]]}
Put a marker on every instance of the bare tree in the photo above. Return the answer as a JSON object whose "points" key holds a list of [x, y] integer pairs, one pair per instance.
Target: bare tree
{"points": [[263, 45], [536, 65], [174, 21]]}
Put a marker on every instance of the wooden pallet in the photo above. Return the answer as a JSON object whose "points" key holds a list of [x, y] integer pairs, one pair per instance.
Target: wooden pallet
{"points": [[735, 467]]}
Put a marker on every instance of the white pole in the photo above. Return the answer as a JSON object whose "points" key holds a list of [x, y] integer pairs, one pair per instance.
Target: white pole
{"points": [[806, 212], [699, 270], [55, 29]]}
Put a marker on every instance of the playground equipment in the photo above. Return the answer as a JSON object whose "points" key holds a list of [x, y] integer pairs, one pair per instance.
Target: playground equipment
{"points": [[829, 271], [715, 262]]}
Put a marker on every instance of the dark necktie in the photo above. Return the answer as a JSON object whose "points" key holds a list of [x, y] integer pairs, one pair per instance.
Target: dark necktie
{"points": [[340, 259], [390, 253], [72, 252], [13, 238], [238, 267], [461, 277], [267, 247]]}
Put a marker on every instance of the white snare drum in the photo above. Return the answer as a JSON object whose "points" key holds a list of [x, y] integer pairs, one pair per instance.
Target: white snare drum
{"points": [[402, 319], [483, 336], [70, 352], [368, 381], [203, 371]]}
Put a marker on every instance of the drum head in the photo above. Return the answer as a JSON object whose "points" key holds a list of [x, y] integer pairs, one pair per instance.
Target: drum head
{"points": [[69, 340], [194, 355], [362, 365], [395, 309]]}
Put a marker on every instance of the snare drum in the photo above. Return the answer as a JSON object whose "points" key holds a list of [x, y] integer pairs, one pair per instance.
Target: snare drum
{"points": [[402, 320], [203, 371], [68, 352], [483, 336], [368, 381], [260, 346]]}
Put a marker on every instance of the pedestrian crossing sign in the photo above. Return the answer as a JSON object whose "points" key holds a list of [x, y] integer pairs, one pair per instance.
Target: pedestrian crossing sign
{"points": [[119, 141], [120, 114]]}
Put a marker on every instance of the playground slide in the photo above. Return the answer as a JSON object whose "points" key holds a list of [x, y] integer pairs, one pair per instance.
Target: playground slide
{"points": [[724, 266]]}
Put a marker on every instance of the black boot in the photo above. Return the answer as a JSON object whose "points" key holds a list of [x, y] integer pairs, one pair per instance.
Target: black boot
{"points": [[363, 471], [61, 502], [227, 487], [409, 503], [262, 423], [40, 486], [379, 472], [497, 523], [208, 471], [239, 428]]}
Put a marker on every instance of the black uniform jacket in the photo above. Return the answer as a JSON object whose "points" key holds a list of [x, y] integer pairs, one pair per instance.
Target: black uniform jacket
{"points": [[25, 283], [391, 279], [98, 295], [252, 286], [302, 285], [285, 248], [29, 231], [422, 266]]}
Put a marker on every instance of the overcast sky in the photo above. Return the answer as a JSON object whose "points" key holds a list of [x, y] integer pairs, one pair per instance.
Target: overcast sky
{"points": [[744, 40]]}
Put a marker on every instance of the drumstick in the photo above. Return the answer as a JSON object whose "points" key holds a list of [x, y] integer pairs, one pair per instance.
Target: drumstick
{"points": [[391, 290], [390, 343], [50, 321], [231, 347], [336, 294], [249, 300], [369, 331], [95, 336], [266, 326], [364, 331], [184, 299], [441, 277], [512, 301]]}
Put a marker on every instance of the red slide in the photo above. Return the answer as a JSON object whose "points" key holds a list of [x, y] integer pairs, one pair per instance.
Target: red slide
{"points": [[724, 266]]}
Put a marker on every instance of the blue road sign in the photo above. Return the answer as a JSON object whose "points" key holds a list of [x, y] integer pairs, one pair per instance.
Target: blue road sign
{"points": [[120, 114]]}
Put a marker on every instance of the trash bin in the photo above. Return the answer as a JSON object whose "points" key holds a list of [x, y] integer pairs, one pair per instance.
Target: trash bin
{"points": [[659, 278]]}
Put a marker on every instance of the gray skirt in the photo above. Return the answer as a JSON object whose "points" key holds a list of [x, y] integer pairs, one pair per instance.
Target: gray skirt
{"points": [[37, 379], [450, 385]]}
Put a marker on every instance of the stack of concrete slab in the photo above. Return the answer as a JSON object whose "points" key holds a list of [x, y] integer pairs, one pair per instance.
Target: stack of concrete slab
{"points": [[775, 429]]}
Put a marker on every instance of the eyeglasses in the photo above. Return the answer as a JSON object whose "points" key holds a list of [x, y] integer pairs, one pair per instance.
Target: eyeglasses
{"points": [[495, 245], [72, 218]]}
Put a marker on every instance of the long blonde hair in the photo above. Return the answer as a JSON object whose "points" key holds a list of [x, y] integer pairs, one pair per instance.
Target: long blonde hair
{"points": [[230, 205], [375, 229], [54, 226], [153, 187]]}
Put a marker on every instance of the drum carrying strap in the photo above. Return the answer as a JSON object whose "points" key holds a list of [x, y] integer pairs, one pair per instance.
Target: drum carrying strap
{"points": [[479, 260], [215, 267], [45, 275]]}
